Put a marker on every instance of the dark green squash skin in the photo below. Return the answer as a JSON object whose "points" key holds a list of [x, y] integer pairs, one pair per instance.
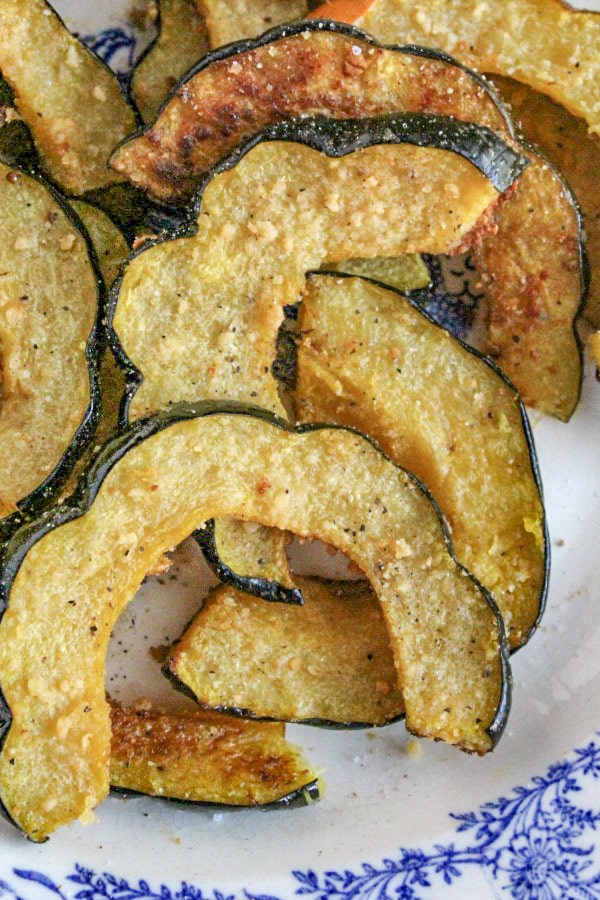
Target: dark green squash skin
{"points": [[302, 796], [23, 539], [47, 491], [264, 588]]}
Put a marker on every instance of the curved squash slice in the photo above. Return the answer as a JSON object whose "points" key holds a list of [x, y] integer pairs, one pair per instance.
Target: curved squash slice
{"points": [[49, 300], [564, 139], [181, 41], [535, 281], [238, 19], [335, 69], [292, 198], [251, 558], [68, 97], [206, 758], [308, 68], [369, 358], [327, 662], [543, 43], [151, 487]]}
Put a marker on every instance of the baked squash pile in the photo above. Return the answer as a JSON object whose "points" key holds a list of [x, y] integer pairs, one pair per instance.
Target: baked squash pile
{"points": [[274, 218]]}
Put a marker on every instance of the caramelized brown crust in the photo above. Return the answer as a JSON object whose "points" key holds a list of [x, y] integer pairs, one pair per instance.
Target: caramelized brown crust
{"points": [[203, 757], [332, 73]]}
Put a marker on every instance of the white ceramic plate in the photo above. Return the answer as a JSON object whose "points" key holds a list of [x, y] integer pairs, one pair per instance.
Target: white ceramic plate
{"points": [[394, 822]]}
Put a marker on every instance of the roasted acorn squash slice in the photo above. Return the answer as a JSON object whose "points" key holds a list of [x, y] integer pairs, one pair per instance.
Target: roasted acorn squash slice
{"points": [[327, 662], [68, 97], [565, 140], [306, 68], [50, 296], [206, 758], [181, 41], [369, 358], [80, 564]]}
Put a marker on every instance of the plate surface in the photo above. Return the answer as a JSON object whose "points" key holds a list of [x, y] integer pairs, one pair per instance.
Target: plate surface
{"points": [[398, 819]]}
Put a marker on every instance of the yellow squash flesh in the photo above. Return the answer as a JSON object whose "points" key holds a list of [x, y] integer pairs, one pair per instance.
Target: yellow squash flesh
{"points": [[543, 43], [71, 101], [369, 359], [328, 660], [329, 484]]}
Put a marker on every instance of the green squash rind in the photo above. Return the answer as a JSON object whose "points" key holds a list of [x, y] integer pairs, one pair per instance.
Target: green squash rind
{"points": [[264, 588]]}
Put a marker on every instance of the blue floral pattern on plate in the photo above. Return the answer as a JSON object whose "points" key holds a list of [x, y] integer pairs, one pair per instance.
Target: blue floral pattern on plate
{"points": [[535, 844]]}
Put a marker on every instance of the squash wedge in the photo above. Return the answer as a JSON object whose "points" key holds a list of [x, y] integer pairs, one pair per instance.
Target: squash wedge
{"points": [[181, 41], [238, 19], [543, 43], [50, 302], [370, 358], [565, 140], [148, 489], [68, 97], [535, 280], [327, 662], [251, 558], [282, 202], [206, 758], [306, 68]]}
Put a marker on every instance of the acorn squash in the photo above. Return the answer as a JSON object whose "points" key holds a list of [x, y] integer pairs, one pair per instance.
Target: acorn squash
{"points": [[81, 563]]}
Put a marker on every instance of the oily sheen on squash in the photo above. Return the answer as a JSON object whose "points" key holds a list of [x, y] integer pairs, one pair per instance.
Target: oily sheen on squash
{"points": [[327, 662], [369, 358], [207, 758], [150, 488], [49, 301]]}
